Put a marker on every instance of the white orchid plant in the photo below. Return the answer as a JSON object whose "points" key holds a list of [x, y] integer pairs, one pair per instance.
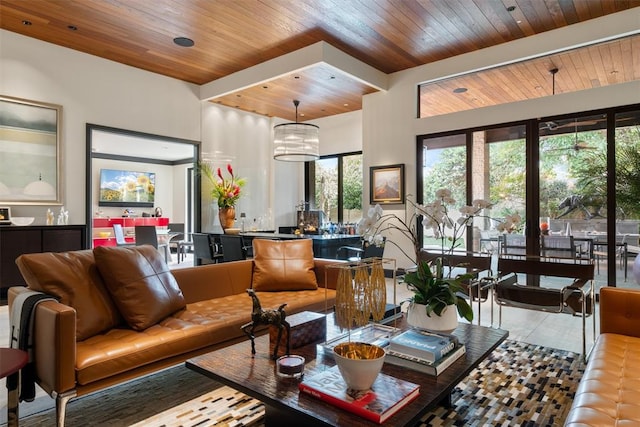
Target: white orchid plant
{"points": [[427, 282]]}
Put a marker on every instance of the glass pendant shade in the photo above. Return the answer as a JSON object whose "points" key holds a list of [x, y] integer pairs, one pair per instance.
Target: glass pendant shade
{"points": [[296, 142]]}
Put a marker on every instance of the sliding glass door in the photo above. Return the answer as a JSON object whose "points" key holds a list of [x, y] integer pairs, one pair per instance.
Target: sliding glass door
{"points": [[560, 174]]}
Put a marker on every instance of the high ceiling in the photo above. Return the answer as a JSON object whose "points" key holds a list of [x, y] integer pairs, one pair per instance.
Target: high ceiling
{"points": [[234, 35]]}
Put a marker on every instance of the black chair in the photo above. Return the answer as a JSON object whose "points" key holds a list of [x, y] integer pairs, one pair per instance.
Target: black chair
{"points": [[568, 288], [354, 254], [203, 249], [233, 248], [146, 235]]}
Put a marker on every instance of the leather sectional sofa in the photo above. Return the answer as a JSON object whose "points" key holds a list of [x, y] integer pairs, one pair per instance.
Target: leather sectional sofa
{"points": [[121, 313], [609, 392]]}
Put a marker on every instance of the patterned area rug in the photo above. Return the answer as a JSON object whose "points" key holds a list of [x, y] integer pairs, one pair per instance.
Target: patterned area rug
{"points": [[518, 385]]}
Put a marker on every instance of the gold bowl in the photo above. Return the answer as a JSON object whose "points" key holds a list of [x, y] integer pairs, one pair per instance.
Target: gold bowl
{"points": [[104, 234], [359, 363]]}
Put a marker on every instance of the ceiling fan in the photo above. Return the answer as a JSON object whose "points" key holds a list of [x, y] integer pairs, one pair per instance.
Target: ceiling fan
{"points": [[578, 144], [551, 125]]}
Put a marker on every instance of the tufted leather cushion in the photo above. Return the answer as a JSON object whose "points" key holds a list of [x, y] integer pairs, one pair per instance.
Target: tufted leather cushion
{"points": [[140, 284], [283, 265], [73, 278]]}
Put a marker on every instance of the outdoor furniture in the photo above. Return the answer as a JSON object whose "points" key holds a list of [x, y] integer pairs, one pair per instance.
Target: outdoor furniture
{"points": [[477, 289], [545, 288], [558, 247], [513, 245], [600, 251]]}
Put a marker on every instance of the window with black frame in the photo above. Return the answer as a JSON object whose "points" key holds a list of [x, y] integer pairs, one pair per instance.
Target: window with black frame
{"points": [[334, 186]]}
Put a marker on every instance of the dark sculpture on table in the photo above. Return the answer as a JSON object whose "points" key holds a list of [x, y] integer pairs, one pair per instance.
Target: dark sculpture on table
{"points": [[274, 317]]}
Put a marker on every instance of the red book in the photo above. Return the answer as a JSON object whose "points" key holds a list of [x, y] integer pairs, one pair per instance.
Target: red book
{"points": [[385, 398]]}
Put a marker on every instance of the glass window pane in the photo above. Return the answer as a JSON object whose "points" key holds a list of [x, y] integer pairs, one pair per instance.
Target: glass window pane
{"points": [[352, 188], [326, 186], [444, 166]]}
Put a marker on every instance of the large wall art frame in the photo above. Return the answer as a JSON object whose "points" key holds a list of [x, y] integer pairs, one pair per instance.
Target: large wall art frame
{"points": [[30, 152]]}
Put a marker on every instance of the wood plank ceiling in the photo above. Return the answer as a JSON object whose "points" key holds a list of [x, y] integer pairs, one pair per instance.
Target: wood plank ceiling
{"points": [[390, 35]]}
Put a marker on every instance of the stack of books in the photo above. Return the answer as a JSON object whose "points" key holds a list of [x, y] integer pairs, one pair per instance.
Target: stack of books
{"points": [[422, 351], [386, 397]]}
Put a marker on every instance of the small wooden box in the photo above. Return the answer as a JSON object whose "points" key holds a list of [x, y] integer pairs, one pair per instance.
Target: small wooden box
{"points": [[306, 327]]}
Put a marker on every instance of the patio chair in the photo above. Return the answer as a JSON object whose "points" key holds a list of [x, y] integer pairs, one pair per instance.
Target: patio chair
{"points": [[513, 245], [476, 289], [558, 248], [556, 296]]}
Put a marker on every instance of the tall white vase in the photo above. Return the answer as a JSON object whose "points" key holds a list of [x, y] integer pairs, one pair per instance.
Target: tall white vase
{"points": [[447, 322]]}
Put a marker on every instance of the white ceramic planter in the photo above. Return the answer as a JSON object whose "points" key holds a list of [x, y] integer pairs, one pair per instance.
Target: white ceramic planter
{"points": [[447, 322]]}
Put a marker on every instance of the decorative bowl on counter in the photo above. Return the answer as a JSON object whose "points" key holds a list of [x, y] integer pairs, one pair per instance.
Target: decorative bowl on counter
{"points": [[104, 234], [22, 220]]}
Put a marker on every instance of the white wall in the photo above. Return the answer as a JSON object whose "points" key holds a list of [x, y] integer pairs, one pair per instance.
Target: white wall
{"points": [[92, 90]]}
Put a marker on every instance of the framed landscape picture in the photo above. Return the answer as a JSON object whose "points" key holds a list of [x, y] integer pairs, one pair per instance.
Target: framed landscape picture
{"points": [[30, 153], [386, 184]]}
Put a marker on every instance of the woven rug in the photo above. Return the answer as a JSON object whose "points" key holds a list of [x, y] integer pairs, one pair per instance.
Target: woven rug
{"points": [[518, 385]]}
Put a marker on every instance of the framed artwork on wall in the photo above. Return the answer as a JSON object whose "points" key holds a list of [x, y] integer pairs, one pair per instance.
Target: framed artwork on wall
{"points": [[5, 215], [30, 153], [386, 184]]}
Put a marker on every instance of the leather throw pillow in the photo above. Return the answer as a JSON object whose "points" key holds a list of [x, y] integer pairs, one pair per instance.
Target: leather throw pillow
{"points": [[283, 265], [73, 278], [140, 283]]}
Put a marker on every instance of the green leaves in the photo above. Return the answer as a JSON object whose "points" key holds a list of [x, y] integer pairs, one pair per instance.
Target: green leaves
{"points": [[435, 291]]}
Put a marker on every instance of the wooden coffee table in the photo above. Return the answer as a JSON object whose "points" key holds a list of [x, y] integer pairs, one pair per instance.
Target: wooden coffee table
{"points": [[285, 405]]}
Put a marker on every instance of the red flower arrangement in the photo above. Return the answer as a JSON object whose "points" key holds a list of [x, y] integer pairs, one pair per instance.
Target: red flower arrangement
{"points": [[225, 190]]}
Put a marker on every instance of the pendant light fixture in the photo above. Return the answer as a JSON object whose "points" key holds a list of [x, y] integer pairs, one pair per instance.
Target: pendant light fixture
{"points": [[296, 142]]}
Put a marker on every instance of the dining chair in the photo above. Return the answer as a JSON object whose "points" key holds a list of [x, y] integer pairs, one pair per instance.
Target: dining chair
{"points": [[232, 248], [118, 232], [179, 240], [534, 283], [204, 251], [355, 254], [147, 235]]}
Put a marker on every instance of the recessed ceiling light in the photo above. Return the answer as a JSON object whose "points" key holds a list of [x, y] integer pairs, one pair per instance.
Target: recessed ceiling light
{"points": [[332, 77], [72, 27], [25, 22], [296, 77], [460, 90], [183, 41]]}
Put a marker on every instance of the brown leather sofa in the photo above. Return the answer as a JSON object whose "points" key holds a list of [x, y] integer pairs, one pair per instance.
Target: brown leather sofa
{"points": [[609, 392], [116, 318]]}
